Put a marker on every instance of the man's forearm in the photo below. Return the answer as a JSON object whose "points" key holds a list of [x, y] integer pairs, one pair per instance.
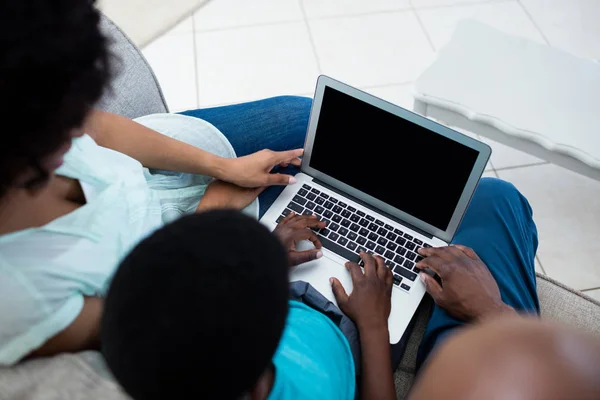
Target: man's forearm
{"points": [[152, 149], [377, 375]]}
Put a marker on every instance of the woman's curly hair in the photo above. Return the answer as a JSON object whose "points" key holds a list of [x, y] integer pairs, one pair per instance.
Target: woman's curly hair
{"points": [[54, 66]]}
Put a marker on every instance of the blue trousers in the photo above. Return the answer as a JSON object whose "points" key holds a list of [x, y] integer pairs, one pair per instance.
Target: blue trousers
{"points": [[498, 224]]}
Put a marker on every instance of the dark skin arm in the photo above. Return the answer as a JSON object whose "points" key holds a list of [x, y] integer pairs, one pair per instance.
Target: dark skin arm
{"points": [[369, 306], [82, 334]]}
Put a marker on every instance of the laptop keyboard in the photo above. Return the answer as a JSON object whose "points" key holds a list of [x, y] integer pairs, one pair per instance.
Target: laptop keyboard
{"points": [[350, 231]]}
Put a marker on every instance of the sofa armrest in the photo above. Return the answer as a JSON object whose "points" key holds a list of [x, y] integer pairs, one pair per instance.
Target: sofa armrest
{"points": [[134, 90]]}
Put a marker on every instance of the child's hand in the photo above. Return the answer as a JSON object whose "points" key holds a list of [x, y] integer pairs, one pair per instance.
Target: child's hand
{"points": [[295, 228], [370, 302]]}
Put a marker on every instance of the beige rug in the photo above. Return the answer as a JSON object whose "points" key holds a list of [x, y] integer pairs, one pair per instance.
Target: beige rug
{"points": [[145, 20]]}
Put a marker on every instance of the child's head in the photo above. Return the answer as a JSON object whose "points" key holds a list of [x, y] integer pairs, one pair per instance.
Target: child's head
{"points": [[198, 308]]}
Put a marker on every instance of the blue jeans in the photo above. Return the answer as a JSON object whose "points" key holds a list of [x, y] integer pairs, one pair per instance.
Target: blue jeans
{"points": [[498, 224], [278, 124]]}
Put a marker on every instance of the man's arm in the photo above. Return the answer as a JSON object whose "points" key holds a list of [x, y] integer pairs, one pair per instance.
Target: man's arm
{"points": [[369, 306], [155, 150], [82, 334]]}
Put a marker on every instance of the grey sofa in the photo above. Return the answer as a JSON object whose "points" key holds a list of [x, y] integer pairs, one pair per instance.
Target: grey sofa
{"points": [[135, 93]]}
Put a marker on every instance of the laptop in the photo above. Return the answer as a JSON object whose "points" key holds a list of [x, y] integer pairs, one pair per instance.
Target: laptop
{"points": [[386, 181]]}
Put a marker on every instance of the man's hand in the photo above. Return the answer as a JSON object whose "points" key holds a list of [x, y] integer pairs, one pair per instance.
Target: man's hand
{"points": [[255, 169], [370, 302], [296, 228], [468, 291], [219, 195]]}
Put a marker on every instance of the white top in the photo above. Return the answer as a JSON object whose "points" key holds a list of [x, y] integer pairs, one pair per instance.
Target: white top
{"points": [[46, 272], [520, 87]]}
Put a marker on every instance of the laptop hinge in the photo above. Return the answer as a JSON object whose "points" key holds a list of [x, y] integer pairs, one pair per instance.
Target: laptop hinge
{"points": [[375, 209]]}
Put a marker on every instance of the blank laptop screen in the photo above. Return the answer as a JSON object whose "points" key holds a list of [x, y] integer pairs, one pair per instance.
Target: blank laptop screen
{"points": [[394, 160]]}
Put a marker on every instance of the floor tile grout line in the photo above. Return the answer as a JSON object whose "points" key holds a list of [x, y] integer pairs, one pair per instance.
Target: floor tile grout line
{"points": [[537, 257], [536, 26], [310, 36], [460, 4], [422, 25], [522, 166], [196, 69], [256, 25]]}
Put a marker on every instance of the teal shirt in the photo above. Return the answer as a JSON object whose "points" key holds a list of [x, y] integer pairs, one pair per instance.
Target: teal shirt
{"points": [[313, 360]]}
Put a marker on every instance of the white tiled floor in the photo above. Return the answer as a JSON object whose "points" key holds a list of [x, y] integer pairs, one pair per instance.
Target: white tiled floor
{"points": [[240, 50]]}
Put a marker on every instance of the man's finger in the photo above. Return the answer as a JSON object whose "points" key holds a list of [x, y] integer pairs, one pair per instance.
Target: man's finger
{"points": [[339, 292], [468, 251], [434, 263], [301, 257], [279, 179], [307, 234], [307, 221], [381, 268], [370, 264], [287, 218], [355, 271], [432, 287]]}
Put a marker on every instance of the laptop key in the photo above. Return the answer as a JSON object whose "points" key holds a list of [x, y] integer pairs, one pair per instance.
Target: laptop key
{"points": [[302, 192], [311, 196], [363, 232], [417, 241], [373, 236], [382, 241], [419, 259], [297, 208], [391, 245], [401, 251], [409, 264], [390, 255], [426, 245], [399, 260], [363, 222], [351, 209], [346, 214], [328, 205], [352, 246], [391, 235], [334, 236], [370, 245], [400, 241], [354, 228], [337, 209], [410, 245], [343, 231], [330, 245], [325, 196], [411, 256], [342, 204], [320, 200], [370, 218], [334, 227], [343, 241], [397, 280], [409, 237], [279, 219], [286, 212], [391, 265], [382, 231], [345, 223], [362, 214], [405, 286], [333, 200], [389, 227], [324, 232], [361, 249], [398, 232], [354, 218], [307, 212], [305, 186], [299, 200], [310, 205], [361, 240], [336, 218], [319, 210], [328, 214], [352, 235], [411, 276], [379, 222], [380, 250], [373, 227]]}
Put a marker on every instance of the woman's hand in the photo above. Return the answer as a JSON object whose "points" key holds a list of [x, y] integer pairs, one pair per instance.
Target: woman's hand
{"points": [[468, 291], [370, 303], [219, 195], [255, 169], [296, 228]]}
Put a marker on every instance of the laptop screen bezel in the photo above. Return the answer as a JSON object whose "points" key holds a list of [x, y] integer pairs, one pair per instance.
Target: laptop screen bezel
{"points": [[478, 168]]}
